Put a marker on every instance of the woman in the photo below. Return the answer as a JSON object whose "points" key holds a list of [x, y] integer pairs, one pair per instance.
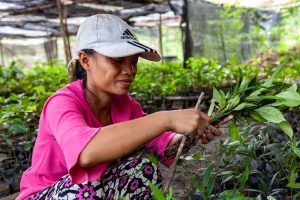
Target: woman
{"points": [[87, 126]]}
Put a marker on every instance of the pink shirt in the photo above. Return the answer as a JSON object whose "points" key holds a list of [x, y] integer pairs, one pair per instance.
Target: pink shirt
{"points": [[66, 125]]}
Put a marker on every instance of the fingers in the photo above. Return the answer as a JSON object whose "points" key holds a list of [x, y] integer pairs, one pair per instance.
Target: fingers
{"points": [[203, 139], [225, 120], [209, 134], [215, 131], [204, 116]]}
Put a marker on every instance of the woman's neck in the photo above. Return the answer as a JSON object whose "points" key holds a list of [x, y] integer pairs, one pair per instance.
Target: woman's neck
{"points": [[100, 103]]}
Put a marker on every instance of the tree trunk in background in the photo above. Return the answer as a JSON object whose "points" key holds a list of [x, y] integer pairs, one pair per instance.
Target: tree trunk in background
{"points": [[188, 44], [223, 46], [64, 30], [160, 37], [245, 43], [51, 49]]}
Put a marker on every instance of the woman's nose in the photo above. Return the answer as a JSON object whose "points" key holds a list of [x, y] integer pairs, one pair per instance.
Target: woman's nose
{"points": [[129, 68]]}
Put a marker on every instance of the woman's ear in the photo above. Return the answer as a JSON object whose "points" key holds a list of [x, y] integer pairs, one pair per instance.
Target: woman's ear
{"points": [[84, 60]]}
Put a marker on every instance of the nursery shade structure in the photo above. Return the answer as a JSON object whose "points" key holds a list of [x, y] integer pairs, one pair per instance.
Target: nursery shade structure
{"points": [[48, 18], [40, 18]]}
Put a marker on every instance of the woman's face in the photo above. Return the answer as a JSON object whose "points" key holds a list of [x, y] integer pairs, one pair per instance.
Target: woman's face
{"points": [[111, 75]]}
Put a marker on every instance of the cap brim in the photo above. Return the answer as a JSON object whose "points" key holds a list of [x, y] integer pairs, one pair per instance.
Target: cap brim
{"points": [[127, 49]]}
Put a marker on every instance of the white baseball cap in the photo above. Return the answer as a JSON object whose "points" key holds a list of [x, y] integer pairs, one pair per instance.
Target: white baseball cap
{"points": [[110, 36]]}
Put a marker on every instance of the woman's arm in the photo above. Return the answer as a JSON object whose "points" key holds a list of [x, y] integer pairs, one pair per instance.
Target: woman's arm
{"points": [[117, 140]]}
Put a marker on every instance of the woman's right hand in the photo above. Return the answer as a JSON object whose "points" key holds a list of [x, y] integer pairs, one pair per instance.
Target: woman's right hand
{"points": [[188, 122]]}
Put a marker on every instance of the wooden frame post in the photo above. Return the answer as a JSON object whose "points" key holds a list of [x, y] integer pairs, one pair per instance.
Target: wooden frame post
{"points": [[64, 30], [2, 53]]}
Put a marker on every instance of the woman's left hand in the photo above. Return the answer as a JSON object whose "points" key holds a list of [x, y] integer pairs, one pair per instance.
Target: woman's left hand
{"points": [[209, 134], [213, 131]]}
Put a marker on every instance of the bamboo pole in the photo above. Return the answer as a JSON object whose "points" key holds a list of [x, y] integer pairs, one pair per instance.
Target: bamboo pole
{"points": [[160, 36], [180, 148], [27, 10], [64, 30]]}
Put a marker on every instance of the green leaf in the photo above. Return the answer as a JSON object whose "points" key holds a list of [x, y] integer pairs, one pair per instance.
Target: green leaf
{"points": [[286, 127], [170, 194], [290, 98], [2, 100], [293, 88], [271, 98], [240, 107], [224, 173], [153, 158], [245, 177], [256, 117], [40, 89], [207, 174], [243, 106], [244, 85], [276, 104], [233, 102], [228, 178], [211, 107], [273, 179], [28, 146], [268, 82], [253, 98], [217, 96], [294, 185], [234, 132], [157, 193], [222, 94], [270, 114], [294, 172], [18, 127], [210, 185], [198, 185], [195, 156], [270, 198], [257, 92], [295, 150]]}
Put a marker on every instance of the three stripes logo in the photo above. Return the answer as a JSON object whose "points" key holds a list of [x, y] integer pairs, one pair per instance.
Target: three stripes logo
{"points": [[141, 46], [128, 35]]}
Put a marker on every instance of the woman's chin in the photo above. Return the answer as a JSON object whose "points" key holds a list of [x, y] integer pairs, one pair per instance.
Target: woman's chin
{"points": [[122, 91]]}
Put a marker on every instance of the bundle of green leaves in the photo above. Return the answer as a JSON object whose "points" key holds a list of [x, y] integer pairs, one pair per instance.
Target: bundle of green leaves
{"points": [[262, 100]]}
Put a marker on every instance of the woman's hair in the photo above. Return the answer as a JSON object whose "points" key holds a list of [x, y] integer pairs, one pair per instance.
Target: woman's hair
{"points": [[76, 71]]}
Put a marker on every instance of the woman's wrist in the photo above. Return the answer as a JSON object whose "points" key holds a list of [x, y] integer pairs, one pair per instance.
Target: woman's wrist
{"points": [[165, 119]]}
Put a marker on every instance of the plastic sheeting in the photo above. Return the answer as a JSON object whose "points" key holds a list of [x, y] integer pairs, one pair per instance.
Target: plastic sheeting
{"points": [[230, 34]]}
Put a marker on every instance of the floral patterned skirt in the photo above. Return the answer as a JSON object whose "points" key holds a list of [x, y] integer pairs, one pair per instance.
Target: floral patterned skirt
{"points": [[129, 180]]}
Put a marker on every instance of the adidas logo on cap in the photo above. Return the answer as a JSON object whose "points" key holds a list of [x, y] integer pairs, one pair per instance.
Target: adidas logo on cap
{"points": [[128, 35]]}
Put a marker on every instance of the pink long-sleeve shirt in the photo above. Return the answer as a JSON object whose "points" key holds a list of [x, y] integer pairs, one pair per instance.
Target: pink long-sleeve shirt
{"points": [[66, 125]]}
